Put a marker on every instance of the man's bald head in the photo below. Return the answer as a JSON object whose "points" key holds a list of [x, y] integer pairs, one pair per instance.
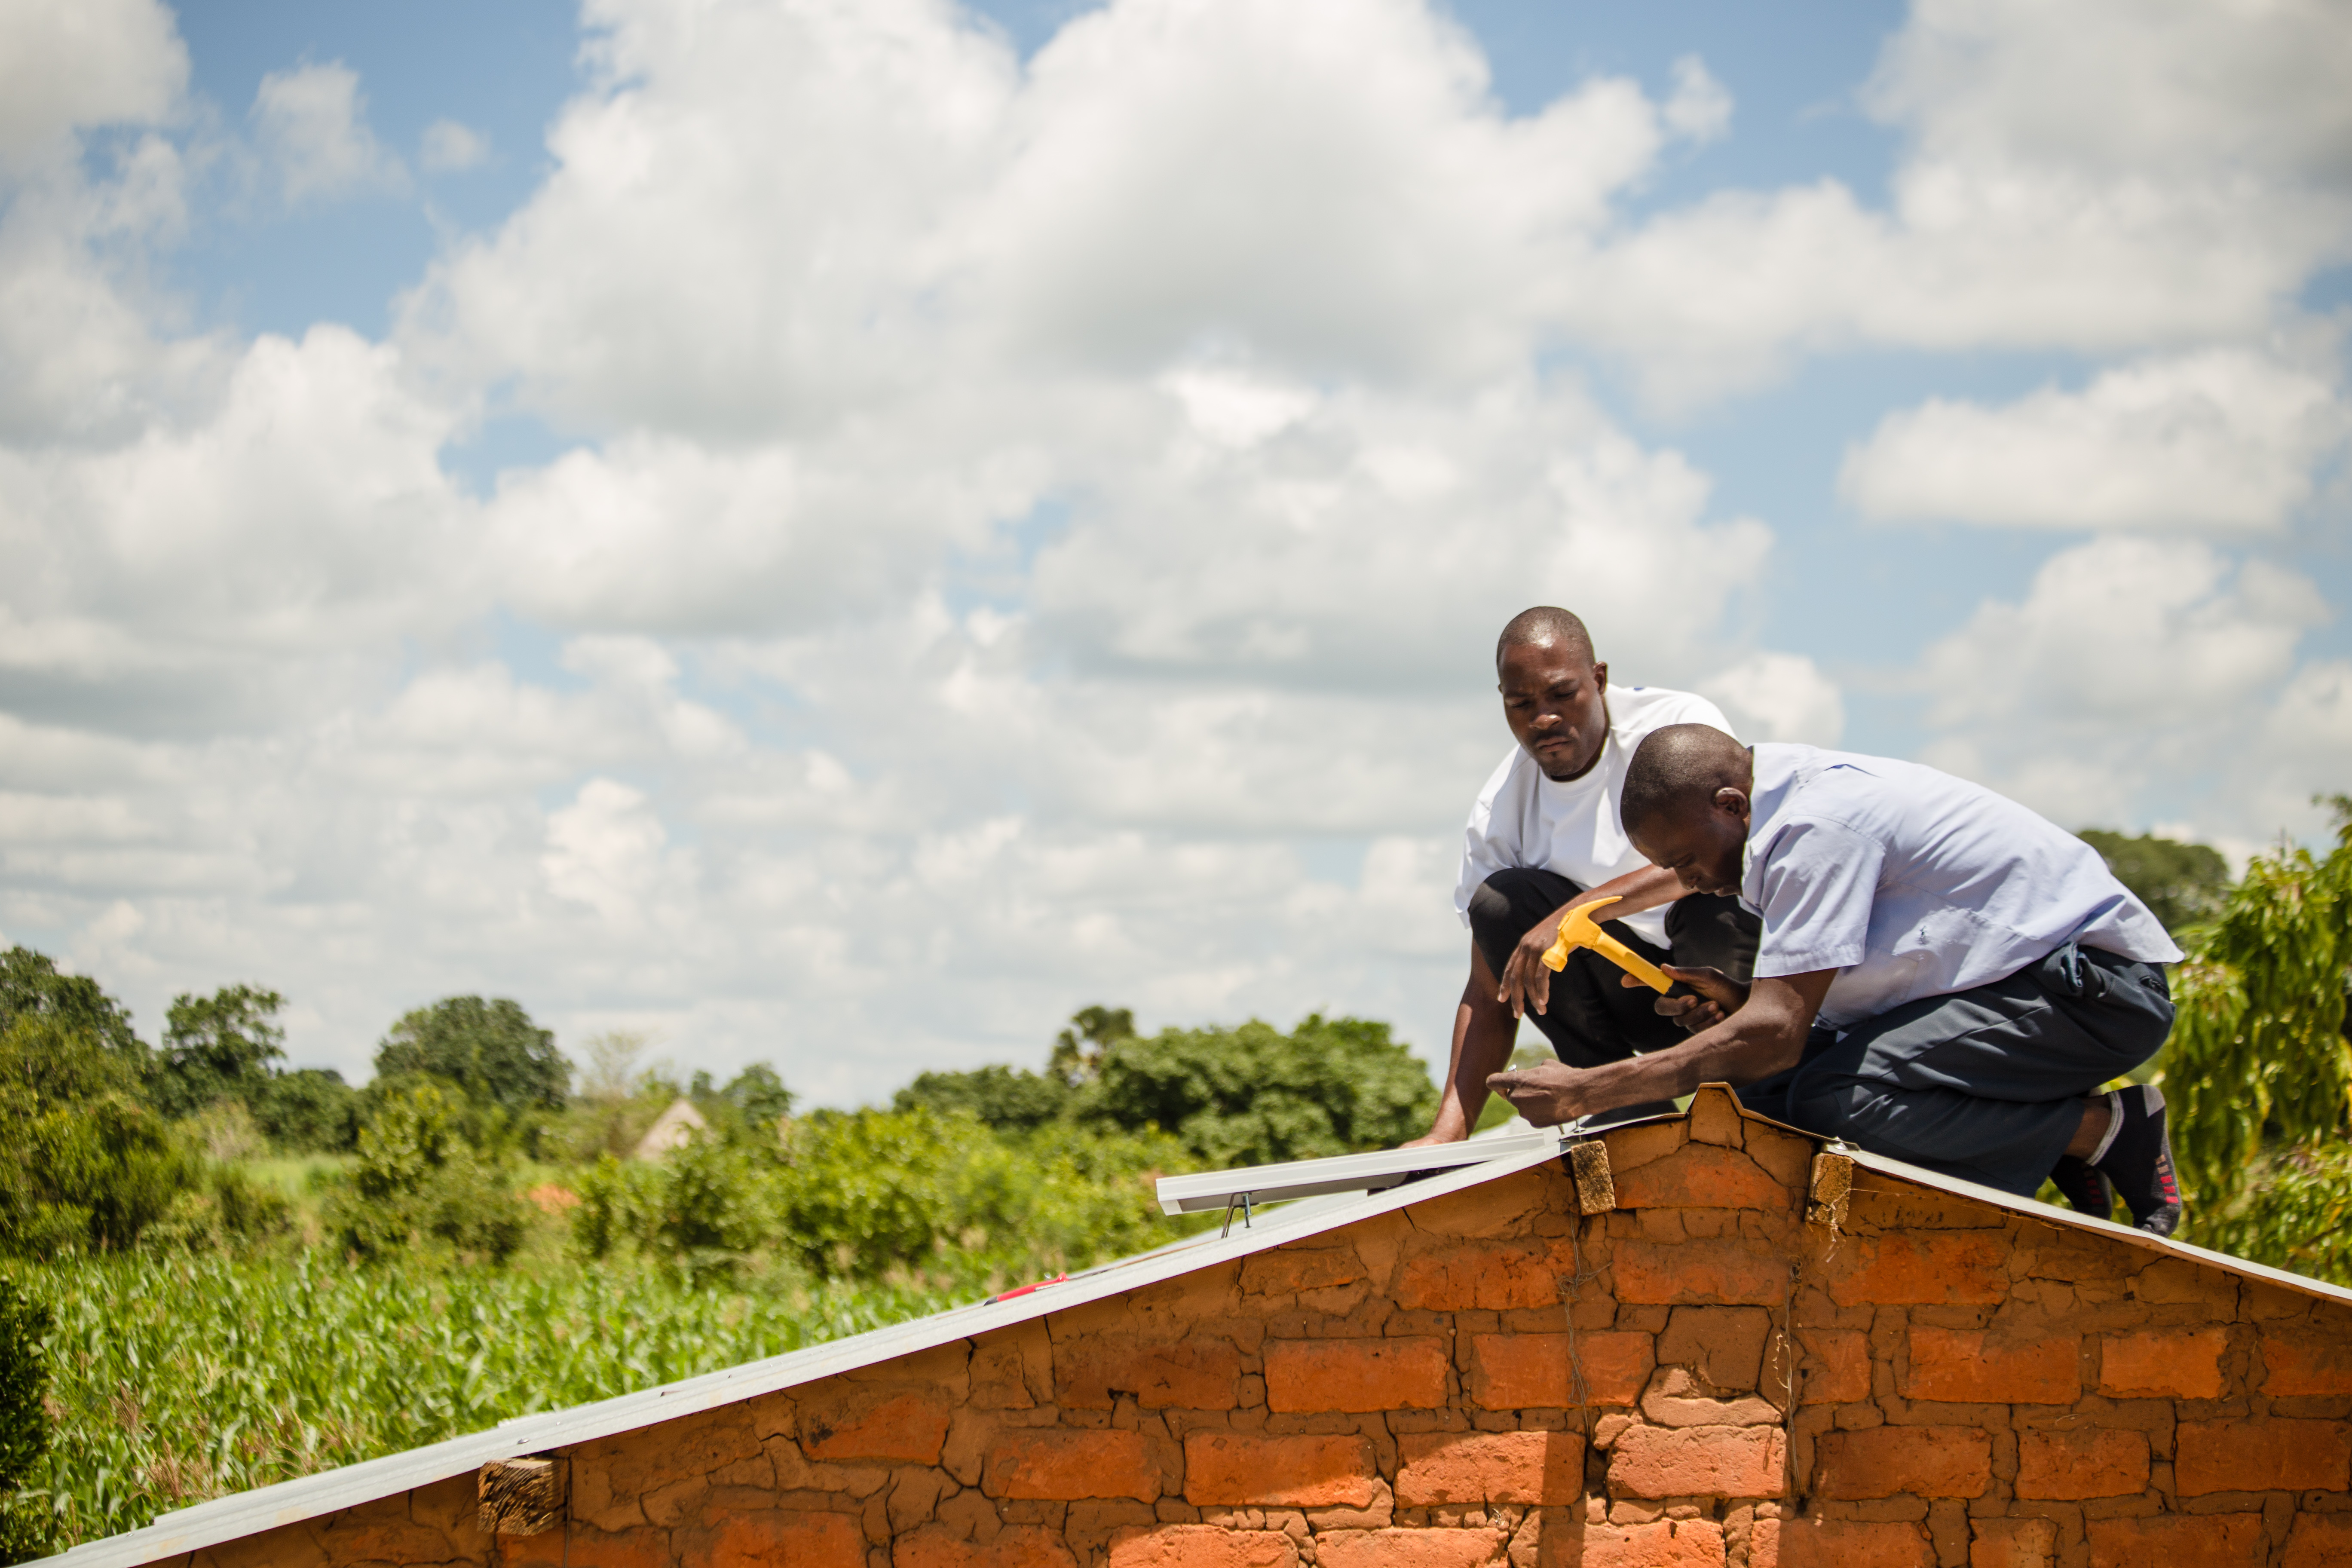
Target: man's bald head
{"points": [[1677, 770], [1545, 625]]}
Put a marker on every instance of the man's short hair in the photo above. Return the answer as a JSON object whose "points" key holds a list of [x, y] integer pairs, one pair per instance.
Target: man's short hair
{"points": [[1544, 623], [1676, 770]]}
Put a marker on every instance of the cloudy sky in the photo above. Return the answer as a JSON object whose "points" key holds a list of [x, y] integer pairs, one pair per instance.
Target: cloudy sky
{"points": [[841, 531]]}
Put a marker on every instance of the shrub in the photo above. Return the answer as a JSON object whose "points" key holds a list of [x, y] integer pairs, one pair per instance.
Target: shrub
{"points": [[618, 1201], [1064, 1197], [87, 1167], [25, 1527], [861, 1190], [416, 1180], [2257, 1063], [2295, 1212], [311, 1110]]}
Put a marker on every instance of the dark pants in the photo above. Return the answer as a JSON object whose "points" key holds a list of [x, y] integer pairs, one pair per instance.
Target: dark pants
{"points": [[1590, 1018], [1986, 1084]]}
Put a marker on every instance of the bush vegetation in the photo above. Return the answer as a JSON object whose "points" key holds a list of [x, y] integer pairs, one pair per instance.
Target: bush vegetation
{"points": [[2258, 1071]]}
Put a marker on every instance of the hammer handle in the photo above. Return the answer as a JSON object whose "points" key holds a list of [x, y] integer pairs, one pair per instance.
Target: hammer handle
{"points": [[1633, 963]]}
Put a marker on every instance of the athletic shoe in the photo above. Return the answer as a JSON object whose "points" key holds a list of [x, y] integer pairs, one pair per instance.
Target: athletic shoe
{"points": [[2138, 1158], [2082, 1185]]}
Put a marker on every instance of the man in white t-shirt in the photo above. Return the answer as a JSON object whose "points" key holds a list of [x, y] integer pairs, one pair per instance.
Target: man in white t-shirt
{"points": [[1944, 976], [1543, 837]]}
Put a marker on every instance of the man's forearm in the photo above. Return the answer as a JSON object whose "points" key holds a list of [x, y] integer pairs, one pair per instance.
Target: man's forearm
{"points": [[1483, 1035], [1750, 1044]]}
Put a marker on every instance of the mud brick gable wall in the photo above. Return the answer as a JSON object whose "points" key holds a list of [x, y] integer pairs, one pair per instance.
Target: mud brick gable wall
{"points": [[1698, 1377]]}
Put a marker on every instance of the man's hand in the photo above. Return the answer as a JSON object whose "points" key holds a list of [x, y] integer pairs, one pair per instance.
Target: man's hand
{"points": [[1719, 996], [1527, 984], [1764, 1034], [1546, 1094]]}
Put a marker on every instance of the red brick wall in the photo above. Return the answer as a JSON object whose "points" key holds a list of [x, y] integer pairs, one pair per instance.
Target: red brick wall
{"points": [[1940, 1383]]}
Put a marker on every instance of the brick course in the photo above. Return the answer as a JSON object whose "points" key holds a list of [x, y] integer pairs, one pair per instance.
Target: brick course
{"points": [[1299, 1472], [2262, 1455], [1402, 1373], [1489, 1467], [2081, 1464], [1969, 1366], [1529, 1372], [1896, 1462], [2164, 1364], [2202, 1541]]}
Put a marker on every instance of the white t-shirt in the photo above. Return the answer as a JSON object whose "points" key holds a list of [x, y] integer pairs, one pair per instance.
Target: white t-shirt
{"points": [[1525, 820], [1913, 883]]}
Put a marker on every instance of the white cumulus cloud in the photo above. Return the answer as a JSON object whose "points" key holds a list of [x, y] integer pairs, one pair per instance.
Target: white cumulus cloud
{"points": [[2223, 439], [311, 124]]}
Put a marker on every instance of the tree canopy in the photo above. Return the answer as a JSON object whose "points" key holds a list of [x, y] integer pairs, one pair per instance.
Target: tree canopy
{"points": [[1244, 1096], [2181, 884], [31, 984], [490, 1050], [220, 1047]]}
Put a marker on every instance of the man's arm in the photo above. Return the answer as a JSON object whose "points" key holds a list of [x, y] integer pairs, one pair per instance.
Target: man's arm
{"points": [[1484, 1031], [1527, 984], [1764, 1034]]}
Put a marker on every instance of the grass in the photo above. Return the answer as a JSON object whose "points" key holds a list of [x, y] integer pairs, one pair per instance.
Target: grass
{"points": [[180, 1377]]}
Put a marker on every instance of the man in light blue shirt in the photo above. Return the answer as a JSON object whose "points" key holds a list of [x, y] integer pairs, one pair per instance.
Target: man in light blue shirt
{"points": [[1944, 975]]}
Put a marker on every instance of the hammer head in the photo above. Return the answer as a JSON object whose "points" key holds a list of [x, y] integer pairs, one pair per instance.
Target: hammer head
{"points": [[1577, 930]]}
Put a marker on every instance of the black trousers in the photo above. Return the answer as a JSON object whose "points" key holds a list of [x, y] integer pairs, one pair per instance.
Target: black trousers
{"points": [[1986, 1084], [1590, 1018]]}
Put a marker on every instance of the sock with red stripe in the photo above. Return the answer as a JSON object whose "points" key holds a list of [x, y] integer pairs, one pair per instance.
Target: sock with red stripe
{"points": [[2137, 1156]]}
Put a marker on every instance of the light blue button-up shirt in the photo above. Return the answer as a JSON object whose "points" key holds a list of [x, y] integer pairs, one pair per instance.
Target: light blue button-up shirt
{"points": [[1912, 883]]}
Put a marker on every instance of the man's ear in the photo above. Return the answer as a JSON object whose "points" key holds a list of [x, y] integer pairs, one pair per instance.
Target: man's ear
{"points": [[1735, 802], [1600, 675]]}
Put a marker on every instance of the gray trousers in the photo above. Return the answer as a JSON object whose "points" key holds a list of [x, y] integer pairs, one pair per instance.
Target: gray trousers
{"points": [[1986, 1084]]}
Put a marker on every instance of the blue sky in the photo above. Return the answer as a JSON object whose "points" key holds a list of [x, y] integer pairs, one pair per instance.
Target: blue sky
{"points": [[896, 525]]}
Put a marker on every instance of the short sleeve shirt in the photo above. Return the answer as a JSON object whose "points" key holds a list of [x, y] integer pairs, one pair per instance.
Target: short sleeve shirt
{"points": [[1912, 883], [1525, 820]]}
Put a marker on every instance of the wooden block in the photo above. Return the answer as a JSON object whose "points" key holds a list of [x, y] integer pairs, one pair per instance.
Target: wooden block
{"points": [[1832, 1184], [521, 1497], [1596, 1190]]}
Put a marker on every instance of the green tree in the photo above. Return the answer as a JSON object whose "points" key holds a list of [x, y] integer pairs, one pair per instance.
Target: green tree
{"points": [[759, 1093], [26, 1530], [88, 1167], [222, 1046], [30, 985], [1010, 1099], [2257, 1071], [1253, 1095], [2181, 884], [490, 1050], [311, 1110], [1079, 1049]]}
